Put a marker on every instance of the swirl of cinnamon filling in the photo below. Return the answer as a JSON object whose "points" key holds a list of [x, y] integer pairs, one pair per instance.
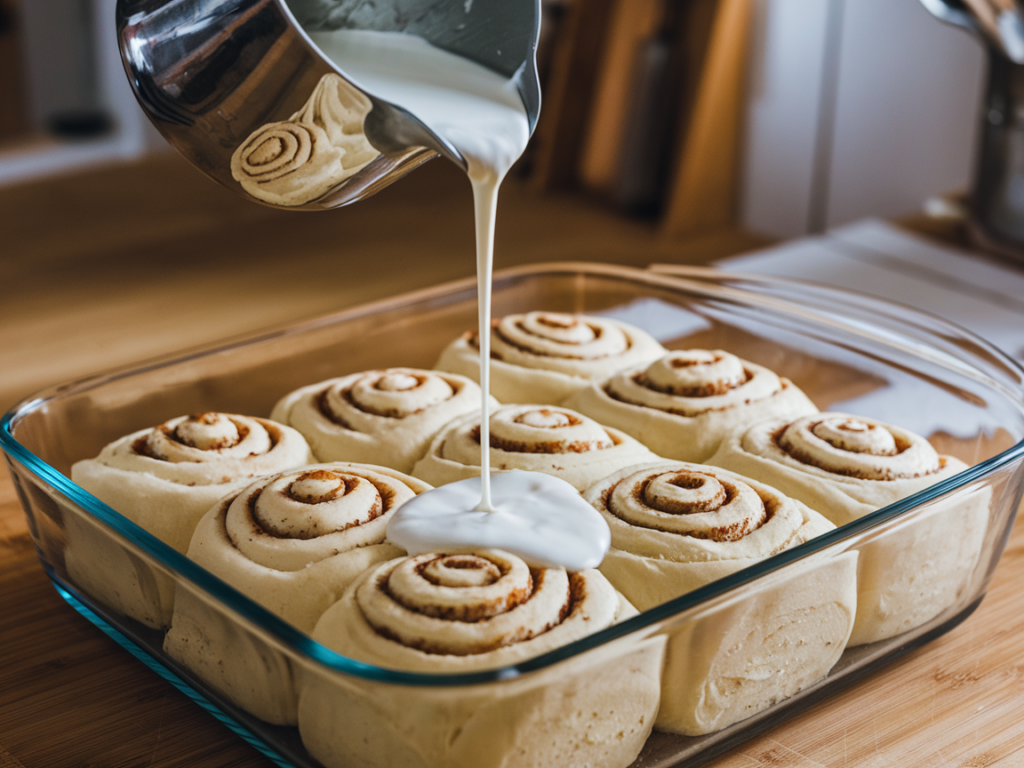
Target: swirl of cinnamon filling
{"points": [[534, 429], [202, 436], [287, 163], [294, 161], [559, 335], [544, 357], [464, 604], [858, 447], [844, 466], [482, 609], [291, 520], [684, 404], [209, 449], [691, 503], [537, 438], [386, 416], [676, 526], [393, 393], [694, 381], [561, 342], [277, 149], [165, 479]]}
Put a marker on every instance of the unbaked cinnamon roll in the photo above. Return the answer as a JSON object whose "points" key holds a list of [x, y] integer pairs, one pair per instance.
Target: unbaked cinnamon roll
{"points": [[676, 527], [544, 357], [292, 542], [386, 417], [451, 613], [848, 466], [295, 161], [535, 438], [683, 405], [165, 479]]}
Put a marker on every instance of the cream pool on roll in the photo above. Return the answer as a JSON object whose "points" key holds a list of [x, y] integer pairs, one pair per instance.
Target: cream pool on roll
{"points": [[482, 115]]}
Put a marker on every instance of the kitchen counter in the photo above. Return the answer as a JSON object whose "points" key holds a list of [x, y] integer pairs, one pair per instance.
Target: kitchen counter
{"points": [[106, 268]]}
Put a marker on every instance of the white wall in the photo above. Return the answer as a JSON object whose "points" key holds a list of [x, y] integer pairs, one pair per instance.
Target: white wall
{"points": [[856, 108], [58, 51], [55, 32]]}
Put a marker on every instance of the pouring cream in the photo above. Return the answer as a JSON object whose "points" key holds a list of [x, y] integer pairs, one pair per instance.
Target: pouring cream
{"points": [[481, 114]]}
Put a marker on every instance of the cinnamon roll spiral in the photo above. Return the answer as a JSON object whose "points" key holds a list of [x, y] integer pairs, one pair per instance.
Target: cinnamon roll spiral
{"points": [[292, 542], [848, 466], [544, 357], [295, 161], [537, 438], [844, 466], [676, 527], [468, 610], [165, 479], [386, 417], [683, 405], [474, 610]]}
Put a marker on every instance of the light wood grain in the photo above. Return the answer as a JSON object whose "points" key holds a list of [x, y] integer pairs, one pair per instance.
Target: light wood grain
{"points": [[70, 697], [954, 703]]}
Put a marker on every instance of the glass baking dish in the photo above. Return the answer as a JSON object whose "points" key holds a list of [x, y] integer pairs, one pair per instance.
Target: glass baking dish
{"points": [[847, 352]]}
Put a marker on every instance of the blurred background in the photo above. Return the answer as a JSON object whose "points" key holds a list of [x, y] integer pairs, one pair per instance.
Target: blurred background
{"points": [[844, 108], [672, 130]]}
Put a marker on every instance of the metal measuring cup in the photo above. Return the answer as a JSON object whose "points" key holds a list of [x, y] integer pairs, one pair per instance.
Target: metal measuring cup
{"points": [[238, 88]]}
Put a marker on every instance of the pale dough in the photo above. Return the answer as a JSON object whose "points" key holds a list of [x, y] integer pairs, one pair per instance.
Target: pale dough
{"points": [[847, 467], [683, 405], [293, 543], [544, 357], [596, 709], [678, 526], [165, 479], [535, 438], [386, 417]]}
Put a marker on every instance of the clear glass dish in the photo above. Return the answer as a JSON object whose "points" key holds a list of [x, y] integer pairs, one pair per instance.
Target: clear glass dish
{"points": [[847, 352]]}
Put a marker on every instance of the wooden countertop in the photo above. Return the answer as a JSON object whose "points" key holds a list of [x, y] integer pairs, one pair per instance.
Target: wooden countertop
{"points": [[109, 267]]}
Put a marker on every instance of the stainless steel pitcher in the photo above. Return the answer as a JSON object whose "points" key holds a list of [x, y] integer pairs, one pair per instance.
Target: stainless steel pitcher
{"points": [[238, 87], [997, 189]]}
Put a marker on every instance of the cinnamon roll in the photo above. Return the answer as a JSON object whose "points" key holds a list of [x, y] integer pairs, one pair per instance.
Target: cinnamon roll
{"points": [[676, 527], [848, 466], [536, 438], [295, 161], [386, 417], [452, 613], [292, 542], [544, 357], [165, 479], [683, 405]]}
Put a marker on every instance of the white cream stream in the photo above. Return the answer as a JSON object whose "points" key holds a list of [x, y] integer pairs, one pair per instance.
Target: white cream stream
{"points": [[482, 115]]}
